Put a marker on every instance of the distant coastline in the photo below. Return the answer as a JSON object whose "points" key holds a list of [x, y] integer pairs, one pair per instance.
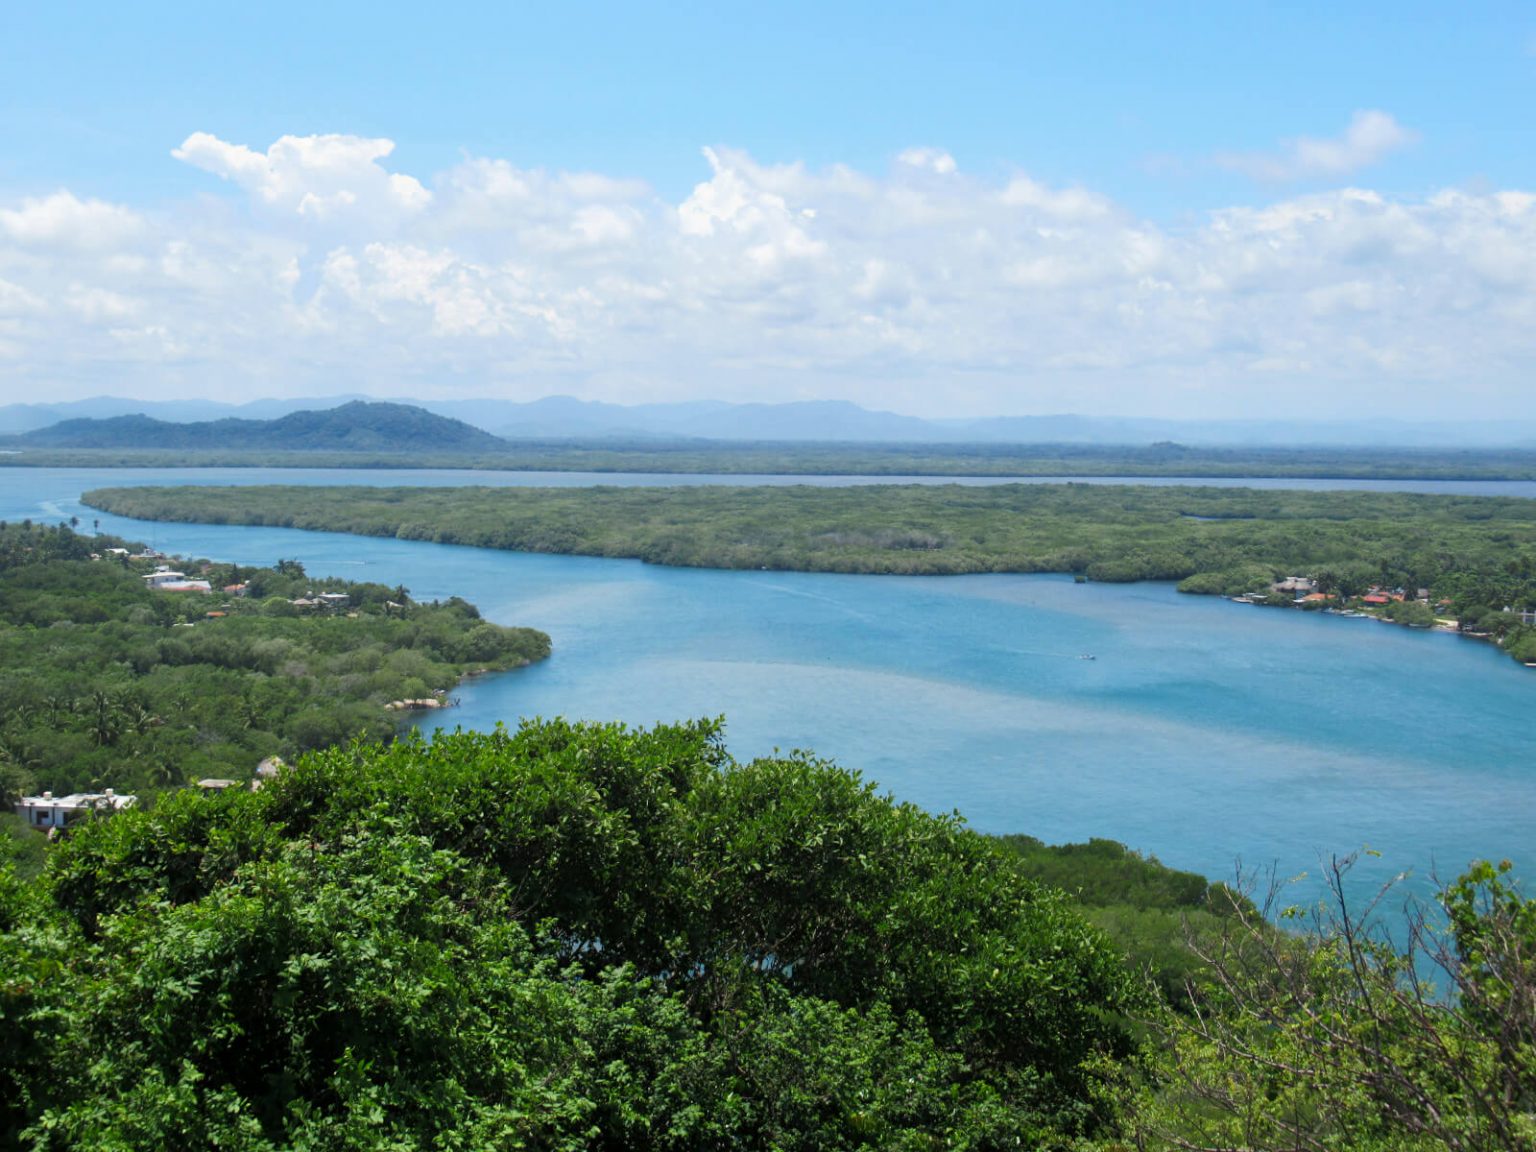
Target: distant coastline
{"points": [[813, 459]]}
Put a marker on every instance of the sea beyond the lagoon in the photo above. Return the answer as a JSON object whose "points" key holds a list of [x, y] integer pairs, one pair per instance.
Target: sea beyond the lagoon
{"points": [[1201, 731]]}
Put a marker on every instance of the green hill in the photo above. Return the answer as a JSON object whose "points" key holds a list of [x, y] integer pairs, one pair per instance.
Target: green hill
{"points": [[360, 426]]}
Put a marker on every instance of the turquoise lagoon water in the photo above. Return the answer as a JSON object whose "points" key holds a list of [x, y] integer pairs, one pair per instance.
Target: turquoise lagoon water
{"points": [[1202, 731]]}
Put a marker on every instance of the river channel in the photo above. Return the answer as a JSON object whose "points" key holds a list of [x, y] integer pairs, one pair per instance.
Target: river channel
{"points": [[1202, 731]]}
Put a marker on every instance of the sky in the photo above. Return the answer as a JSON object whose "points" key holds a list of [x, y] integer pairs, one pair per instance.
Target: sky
{"points": [[965, 209]]}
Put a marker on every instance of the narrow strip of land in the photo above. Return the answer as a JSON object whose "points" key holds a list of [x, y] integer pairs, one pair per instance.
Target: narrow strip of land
{"points": [[1103, 533], [1475, 556]]}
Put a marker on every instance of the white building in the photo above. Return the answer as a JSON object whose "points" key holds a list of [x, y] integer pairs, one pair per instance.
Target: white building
{"points": [[49, 811], [166, 580]]}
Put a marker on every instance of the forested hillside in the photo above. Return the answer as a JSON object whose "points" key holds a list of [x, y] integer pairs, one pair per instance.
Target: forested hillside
{"points": [[107, 683]]}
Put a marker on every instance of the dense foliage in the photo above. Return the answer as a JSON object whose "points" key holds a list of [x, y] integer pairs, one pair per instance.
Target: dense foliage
{"points": [[106, 683], [1478, 552], [564, 937], [1150, 911]]}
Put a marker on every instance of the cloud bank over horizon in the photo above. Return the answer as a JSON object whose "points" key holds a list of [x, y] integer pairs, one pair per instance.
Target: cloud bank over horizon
{"points": [[313, 265]]}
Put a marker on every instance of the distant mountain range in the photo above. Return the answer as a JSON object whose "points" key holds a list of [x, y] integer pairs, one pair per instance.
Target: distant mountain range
{"points": [[473, 425], [356, 426]]}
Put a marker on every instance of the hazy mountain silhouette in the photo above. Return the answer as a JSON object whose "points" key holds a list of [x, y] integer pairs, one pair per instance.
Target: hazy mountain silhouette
{"points": [[356, 426]]}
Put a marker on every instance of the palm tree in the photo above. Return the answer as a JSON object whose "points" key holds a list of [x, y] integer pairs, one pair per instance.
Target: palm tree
{"points": [[162, 775], [55, 704], [106, 719], [141, 718]]}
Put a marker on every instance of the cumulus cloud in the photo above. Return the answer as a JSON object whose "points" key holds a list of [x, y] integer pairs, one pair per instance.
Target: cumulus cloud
{"points": [[918, 288], [745, 209], [1371, 137], [317, 177]]}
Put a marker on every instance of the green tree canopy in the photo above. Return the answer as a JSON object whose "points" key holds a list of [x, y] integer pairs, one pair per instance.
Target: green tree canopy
{"points": [[566, 936]]}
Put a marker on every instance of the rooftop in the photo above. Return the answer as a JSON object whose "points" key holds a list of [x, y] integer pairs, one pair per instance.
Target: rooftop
{"points": [[106, 799]]}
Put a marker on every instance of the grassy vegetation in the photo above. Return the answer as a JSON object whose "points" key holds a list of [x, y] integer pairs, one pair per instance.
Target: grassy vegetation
{"points": [[808, 459]]}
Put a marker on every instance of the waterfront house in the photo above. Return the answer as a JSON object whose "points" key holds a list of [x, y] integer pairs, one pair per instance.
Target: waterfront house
{"points": [[1296, 585]]}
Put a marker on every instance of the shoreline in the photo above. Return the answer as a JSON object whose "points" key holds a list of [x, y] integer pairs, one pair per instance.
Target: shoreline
{"points": [[1445, 627]]}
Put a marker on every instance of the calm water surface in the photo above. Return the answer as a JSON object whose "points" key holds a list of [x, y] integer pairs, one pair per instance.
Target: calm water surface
{"points": [[69, 482], [1202, 731]]}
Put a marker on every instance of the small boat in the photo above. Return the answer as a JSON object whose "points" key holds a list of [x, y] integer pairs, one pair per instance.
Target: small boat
{"points": [[1087, 656]]}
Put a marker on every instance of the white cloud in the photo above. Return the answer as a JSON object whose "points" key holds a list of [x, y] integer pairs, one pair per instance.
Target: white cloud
{"points": [[316, 177], [742, 203], [62, 220], [1065, 203], [1371, 137], [918, 289], [932, 159], [495, 208]]}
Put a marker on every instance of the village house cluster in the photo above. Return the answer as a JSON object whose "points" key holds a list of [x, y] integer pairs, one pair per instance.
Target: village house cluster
{"points": [[167, 579], [1303, 590]]}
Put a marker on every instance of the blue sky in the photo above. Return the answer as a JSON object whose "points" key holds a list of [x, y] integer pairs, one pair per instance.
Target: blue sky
{"points": [[1130, 99], [1169, 116]]}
